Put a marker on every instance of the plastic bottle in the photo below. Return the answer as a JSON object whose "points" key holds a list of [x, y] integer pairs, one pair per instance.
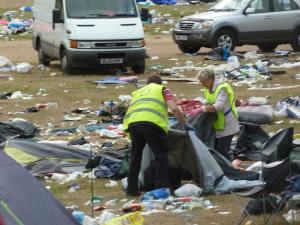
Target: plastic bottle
{"points": [[187, 199], [79, 216], [225, 53], [161, 193]]}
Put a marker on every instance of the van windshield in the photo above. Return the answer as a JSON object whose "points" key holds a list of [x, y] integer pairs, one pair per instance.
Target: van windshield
{"points": [[228, 5], [101, 8]]}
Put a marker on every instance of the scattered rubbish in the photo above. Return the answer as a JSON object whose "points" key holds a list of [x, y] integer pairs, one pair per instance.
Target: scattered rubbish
{"points": [[135, 218], [161, 193], [188, 190], [111, 183], [131, 207], [105, 216], [23, 67], [74, 187]]}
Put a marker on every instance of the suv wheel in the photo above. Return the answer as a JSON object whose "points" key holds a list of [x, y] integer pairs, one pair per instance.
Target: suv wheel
{"points": [[267, 47], [65, 66], [296, 41], [43, 58], [139, 69], [224, 38], [189, 49]]}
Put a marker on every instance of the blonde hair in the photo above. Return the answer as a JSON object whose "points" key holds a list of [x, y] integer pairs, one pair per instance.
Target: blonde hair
{"points": [[206, 74]]}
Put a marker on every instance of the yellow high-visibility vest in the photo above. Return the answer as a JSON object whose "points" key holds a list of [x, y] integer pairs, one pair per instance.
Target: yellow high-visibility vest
{"points": [[148, 105], [211, 98]]}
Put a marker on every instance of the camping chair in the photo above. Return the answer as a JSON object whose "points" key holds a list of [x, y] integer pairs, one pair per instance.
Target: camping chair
{"points": [[274, 176]]}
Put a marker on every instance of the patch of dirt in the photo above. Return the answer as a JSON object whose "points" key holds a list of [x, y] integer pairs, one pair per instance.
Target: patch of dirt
{"points": [[158, 45], [18, 51], [15, 3]]}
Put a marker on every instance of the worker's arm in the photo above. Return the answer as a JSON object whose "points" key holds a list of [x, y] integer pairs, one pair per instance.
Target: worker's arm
{"points": [[218, 105], [176, 112]]}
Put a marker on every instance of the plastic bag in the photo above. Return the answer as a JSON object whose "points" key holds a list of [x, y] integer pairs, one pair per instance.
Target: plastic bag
{"points": [[135, 218], [233, 62], [188, 190]]}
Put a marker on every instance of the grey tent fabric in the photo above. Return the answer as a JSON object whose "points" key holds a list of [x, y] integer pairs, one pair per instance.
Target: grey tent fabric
{"points": [[17, 129], [278, 146], [54, 166], [256, 114], [52, 157], [27, 198], [48, 150], [250, 141], [190, 156], [229, 171], [257, 145], [203, 124]]}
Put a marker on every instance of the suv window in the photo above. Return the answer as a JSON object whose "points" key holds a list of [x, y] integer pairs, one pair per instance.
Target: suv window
{"points": [[260, 6], [284, 5]]}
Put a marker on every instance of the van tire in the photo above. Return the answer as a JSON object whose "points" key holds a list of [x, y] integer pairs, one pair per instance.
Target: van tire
{"points": [[43, 58], [296, 41], [267, 47], [65, 65], [189, 49], [227, 37], [139, 69]]}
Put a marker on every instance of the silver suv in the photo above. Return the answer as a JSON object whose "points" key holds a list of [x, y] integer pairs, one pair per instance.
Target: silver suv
{"points": [[231, 23]]}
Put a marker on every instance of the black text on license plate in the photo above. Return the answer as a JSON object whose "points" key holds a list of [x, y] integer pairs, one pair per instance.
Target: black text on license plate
{"points": [[181, 37], [111, 60]]}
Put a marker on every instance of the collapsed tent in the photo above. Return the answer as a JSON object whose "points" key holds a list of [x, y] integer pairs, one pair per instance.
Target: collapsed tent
{"points": [[25, 201], [256, 114], [164, 2], [255, 144], [17, 129], [41, 158], [190, 159]]}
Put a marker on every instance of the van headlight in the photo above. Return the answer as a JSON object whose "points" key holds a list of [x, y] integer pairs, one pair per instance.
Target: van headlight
{"points": [[80, 44], [84, 44], [135, 44]]}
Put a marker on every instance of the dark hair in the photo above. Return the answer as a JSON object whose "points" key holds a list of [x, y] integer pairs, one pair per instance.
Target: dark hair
{"points": [[154, 79]]}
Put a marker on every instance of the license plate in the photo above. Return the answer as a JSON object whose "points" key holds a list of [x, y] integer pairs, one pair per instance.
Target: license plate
{"points": [[111, 60], [181, 37]]}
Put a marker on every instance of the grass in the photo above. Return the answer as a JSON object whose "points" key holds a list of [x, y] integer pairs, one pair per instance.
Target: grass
{"points": [[70, 91]]}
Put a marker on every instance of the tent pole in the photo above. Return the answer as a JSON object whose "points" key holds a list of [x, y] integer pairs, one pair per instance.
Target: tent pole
{"points": [[10, 212], [92, 185]]}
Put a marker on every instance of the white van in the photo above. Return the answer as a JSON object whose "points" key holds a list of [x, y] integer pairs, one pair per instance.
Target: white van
{"points": [[89, 33]]}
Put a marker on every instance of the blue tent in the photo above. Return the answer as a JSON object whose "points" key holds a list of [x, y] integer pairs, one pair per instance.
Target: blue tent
{"points": [[164, 2], [25, 201]]}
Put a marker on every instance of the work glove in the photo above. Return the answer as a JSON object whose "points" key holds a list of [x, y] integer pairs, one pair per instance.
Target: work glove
{"points": [[188, 127]]}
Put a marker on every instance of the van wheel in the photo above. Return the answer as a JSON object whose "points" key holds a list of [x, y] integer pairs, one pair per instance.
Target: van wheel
{"points": [[267, 47], [189, 49], [224, 38], [43, 58], [296, 41], [139, 69], [65, 66]]}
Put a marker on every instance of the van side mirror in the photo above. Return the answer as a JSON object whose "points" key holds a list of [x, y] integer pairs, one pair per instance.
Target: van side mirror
{"points": [[56, 16], [250, 10]]}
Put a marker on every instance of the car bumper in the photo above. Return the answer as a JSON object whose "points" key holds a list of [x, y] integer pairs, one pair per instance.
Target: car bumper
{"points": [[106, 58], [192, 37]]}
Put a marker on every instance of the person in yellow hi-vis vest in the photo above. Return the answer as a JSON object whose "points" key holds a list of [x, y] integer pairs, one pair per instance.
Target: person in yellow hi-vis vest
{"points": [[220, 98], [146, 121]]}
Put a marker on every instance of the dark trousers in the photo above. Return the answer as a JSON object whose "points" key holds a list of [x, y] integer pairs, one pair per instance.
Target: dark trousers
{"points": [[222, 145], [156, 139]]}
